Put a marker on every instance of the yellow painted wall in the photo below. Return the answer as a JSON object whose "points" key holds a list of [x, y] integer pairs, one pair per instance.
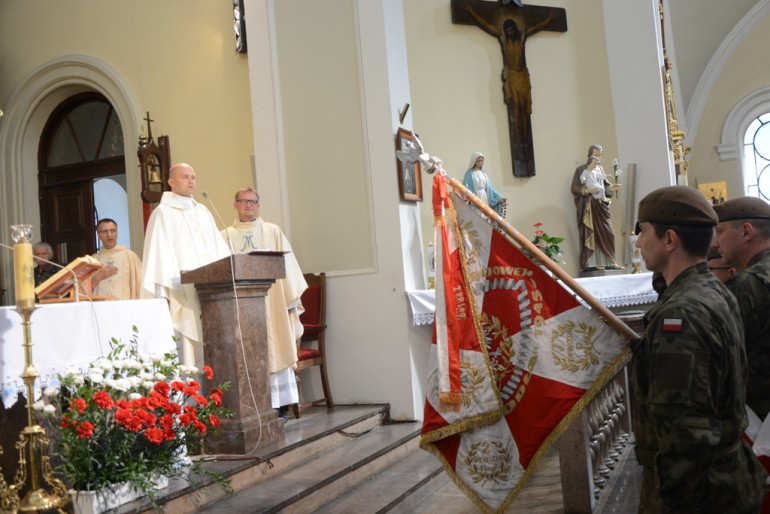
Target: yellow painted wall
{"points": [[177, 56], [322, 118]]}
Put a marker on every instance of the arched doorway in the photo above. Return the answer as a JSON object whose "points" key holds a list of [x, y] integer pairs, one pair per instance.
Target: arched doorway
{"points": [[82, 142]]}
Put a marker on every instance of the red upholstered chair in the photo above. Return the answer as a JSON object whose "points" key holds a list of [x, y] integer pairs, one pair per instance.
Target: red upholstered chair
{"points": [[314, 322]]}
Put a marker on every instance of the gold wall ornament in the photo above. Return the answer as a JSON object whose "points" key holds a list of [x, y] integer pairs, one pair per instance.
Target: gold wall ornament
{"points": [[675, 135]]}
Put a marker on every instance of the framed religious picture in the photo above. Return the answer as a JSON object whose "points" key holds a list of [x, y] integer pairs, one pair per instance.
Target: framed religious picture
{"points": [[716, 192], [409, 178]]}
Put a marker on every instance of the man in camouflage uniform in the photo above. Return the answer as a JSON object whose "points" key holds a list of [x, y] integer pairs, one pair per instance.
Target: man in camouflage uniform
{"points": [[743, 238], [689, 403]]}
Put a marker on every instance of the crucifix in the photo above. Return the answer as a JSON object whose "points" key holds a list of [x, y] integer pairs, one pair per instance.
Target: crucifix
{"points": [[512, 23]]}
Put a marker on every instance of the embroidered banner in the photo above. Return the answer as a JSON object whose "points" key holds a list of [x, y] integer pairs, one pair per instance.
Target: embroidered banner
{"points": [[548, 354]]}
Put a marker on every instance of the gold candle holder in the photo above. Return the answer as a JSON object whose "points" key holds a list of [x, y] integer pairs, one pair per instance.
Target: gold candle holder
{"points": [[34, 463]]}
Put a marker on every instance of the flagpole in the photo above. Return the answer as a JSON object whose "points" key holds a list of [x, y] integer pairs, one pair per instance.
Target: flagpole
{"points": [[546, 261]]}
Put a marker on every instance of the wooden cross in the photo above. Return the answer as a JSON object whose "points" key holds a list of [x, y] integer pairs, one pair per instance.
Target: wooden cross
{"points": [[512, 25]]}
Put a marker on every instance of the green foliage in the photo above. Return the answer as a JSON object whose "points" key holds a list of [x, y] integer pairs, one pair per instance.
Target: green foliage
{"points": [[549, 245]]}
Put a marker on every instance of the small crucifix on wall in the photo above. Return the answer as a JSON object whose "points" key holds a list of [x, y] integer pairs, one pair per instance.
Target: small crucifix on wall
{"points": [[512, 23]]}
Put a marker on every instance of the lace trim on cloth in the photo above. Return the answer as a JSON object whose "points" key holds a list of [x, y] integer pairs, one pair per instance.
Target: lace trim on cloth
{"points": [[613, 291]]}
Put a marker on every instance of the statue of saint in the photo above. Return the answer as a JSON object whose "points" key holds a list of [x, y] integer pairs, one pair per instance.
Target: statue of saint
{"points": [[477, 181], [592, 191]]}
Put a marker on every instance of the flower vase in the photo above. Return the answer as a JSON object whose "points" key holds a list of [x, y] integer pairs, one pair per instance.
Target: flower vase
{"points": [[95, 502]]}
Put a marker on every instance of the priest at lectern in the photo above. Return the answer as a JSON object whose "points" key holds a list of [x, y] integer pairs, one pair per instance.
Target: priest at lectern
{"points": [[181, 236]]}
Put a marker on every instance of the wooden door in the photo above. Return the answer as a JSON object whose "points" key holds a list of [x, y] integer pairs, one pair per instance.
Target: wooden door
{"points": [[68, 221]]}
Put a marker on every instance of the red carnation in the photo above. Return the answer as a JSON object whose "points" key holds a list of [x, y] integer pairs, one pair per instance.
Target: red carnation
{"points": [[194, 384], [103, 400], [85, 430], [134, 424], [214, 421], [163, 388], [78, 404], [154, 435], [176, 385], [169, 434], [185, 419], [172, 408], [209, 372], [200, 426], [201, 400], [166, 421]]}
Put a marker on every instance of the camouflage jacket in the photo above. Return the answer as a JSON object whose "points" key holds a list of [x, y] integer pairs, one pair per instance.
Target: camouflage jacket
{"points": [[751, 288], [689, 410]]}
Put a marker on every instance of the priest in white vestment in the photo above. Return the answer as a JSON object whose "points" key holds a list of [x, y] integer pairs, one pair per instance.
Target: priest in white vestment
{"points": [[121, 276], [282, 304], [181, 236]]}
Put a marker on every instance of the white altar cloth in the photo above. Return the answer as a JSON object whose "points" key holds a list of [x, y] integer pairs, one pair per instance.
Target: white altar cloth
{"points": [[73, 335], [613, 291]]}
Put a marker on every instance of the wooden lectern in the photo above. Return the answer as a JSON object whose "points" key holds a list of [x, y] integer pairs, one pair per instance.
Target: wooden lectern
{"points": [[246, 368]]}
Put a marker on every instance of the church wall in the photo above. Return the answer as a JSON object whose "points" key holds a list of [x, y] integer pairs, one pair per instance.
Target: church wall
{"points": [[458, 108], [324, 138], [743, 74], [177, 58]]}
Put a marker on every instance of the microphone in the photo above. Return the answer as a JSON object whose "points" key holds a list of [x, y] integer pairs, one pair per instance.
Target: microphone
{"points": [[55, 265], [222, 223]]}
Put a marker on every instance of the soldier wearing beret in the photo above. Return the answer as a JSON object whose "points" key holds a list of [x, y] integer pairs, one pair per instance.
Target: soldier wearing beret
{"points": [[743, 237], [689, 371], [718, 266]]}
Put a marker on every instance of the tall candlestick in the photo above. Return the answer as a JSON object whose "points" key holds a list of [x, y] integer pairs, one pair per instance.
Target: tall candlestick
{"points": [[22, 266]]}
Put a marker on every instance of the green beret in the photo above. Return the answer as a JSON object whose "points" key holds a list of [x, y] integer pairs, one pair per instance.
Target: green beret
{"points": [[677, 205], [747, 207]]}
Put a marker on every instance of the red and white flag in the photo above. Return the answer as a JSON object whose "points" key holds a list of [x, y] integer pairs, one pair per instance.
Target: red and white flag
{"points": [[544, 353]]}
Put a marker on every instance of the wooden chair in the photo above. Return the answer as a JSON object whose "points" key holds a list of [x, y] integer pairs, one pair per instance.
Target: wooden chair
{"points": [[314, 322]]}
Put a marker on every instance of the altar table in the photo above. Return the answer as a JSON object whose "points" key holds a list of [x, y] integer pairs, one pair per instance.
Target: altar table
{"points": [[614, 291], [73, 335]]}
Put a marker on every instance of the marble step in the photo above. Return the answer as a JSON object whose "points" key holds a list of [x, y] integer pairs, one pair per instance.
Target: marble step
{"points": [[320, 478], [397, 488], [318, 432]]}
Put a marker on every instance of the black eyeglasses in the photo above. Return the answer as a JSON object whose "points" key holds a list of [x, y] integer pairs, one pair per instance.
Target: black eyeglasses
{"points": [[248, 202]]}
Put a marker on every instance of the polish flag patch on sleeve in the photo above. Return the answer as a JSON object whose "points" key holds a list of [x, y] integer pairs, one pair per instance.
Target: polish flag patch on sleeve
{"points": [[672, 325]]}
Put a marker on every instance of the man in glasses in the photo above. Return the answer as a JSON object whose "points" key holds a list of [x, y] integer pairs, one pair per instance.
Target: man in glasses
{"points": [[249, 233], [743, 237], [121, 276]]}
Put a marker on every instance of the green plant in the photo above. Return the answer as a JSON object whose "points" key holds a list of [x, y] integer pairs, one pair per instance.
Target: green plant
{"points": [[549, 245], [130, 417]]}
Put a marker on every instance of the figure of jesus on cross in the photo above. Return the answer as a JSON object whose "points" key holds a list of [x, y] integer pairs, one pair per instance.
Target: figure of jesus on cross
{"points": [[512, 24]]}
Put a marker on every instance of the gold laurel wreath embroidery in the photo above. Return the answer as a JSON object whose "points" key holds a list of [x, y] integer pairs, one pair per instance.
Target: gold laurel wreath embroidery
{"points": [[472, 249], [478, 474], [495, 331], [571, 355], [472, 381]]}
